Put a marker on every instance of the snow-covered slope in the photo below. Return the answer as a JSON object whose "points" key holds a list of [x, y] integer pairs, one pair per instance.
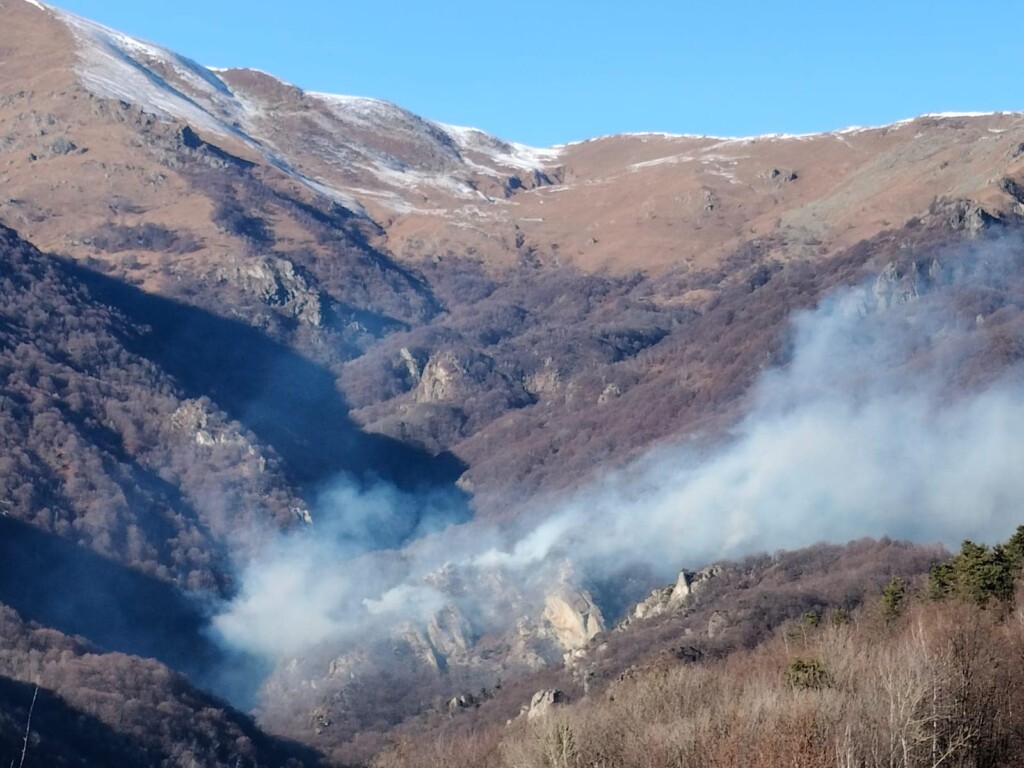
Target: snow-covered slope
{"points": [[380, 150], [114, 65]]}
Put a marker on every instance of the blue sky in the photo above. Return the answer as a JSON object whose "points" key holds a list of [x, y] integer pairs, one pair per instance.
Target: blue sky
{"points": [[548, 72]]}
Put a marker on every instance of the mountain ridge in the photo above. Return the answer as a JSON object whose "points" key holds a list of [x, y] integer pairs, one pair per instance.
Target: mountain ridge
{"points": [[389, 185]]}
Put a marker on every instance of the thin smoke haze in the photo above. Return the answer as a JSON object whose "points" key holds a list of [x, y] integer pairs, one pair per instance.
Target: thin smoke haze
{"points": [[865, 431]]}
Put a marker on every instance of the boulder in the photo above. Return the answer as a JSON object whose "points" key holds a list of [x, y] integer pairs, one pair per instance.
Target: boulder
{"points": [[462, 701], [717, 624]]}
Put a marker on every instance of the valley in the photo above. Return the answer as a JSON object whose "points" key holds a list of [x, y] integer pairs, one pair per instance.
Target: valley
{"points": [[328, 428]]}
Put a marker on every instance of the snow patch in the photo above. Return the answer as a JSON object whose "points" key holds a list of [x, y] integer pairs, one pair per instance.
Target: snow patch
{"points": [[342, 198], [506, 153], [458, 153], [221, 70], [172, 87], [365, 110], [645, 136], [374, 112], [116, 66], [669, 160]]}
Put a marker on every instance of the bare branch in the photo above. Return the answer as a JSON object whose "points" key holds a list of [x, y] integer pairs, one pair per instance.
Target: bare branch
{"points": [[28, 726]]}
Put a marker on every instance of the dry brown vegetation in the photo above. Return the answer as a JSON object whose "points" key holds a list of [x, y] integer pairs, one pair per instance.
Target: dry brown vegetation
{"points": [[748, 600], [112, 709], [100, 442], [941, 684]]}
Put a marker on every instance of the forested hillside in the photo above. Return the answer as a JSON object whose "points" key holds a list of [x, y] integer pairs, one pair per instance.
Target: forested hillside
{"points": [[924, 672]]}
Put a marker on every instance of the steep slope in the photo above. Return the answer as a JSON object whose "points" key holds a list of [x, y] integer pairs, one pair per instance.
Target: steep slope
{"points": [[705, 616], [942, 317], [118, 173], [78, 707], [902, 677], [102, 447], [151, 449]]}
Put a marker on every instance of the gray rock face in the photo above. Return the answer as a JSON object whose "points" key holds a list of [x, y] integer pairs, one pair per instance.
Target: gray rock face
{"points": [[542, 703], [61, 146], [610, 392], [573, 618], [970, 218], [779, 175], [898, 284], [276, 282], [545, 381], [717, 624], [462, 701], [193, 418], [674, 598], [451, 375], [446, 638], [442, 378], [511, 632]]}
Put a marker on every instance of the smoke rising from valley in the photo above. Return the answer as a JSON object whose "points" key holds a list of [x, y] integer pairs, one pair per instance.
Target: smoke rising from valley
{"points": [[891, 417]]}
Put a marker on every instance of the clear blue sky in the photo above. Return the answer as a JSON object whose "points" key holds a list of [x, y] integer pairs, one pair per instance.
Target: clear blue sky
{"points": [[547, 72]]}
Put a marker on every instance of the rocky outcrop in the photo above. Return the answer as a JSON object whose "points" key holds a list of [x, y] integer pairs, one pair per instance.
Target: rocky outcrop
{"points": [[1013, 188], [527, 181], [573, 618], [779, 175], [546, 380], [452, 375], [194, 418], [462, 701], [673, 598], [610, 392], [61, 146], [450, 633], [964, 216], [717, 624], [442, 378], [542, 702], [277, 282], [898, 284], [446, 637]]}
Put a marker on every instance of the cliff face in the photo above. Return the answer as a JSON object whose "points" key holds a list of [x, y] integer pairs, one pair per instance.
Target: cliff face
{"points": [[489, 627]]}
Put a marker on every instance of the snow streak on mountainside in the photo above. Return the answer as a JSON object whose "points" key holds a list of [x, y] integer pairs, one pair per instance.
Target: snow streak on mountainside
{"points": [[368, 152], [173, 87], [117, 66]]}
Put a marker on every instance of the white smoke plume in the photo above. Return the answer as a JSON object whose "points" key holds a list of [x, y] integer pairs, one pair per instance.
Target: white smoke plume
{"points": [[866, 431]]}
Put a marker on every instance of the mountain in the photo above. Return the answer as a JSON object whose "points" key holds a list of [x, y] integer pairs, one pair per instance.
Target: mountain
{"points": [[351, 229], [228, 303]]}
